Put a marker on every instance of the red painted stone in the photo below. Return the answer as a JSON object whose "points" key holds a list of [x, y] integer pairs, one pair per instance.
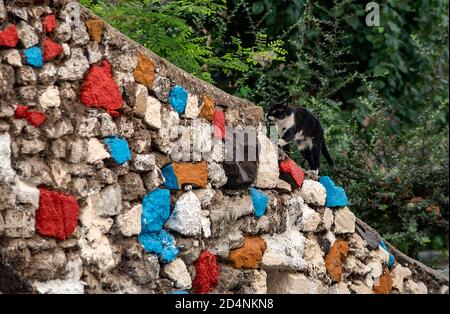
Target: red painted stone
{"points": [[9, 37], [57, 215], [291, 170], [51, 49], [49, 23], [219, 125], [207, 273], [100, 90], [35, 118]]}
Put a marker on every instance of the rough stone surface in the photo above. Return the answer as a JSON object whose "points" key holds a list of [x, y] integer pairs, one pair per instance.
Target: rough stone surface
{"points": [[249, 255], [178, 273], [344, 221], [313, 193], [186, 217], [268, 174]]}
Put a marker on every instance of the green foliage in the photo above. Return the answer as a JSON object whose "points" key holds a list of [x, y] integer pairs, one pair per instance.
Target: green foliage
{"points": [[380, 92]]}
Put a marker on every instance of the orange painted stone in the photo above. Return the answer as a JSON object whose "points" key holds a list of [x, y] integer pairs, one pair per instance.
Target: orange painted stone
{"points": [[335, 259], [384, 285], [145, 71], [208, 107], [250, 254], [95, 28], [190, 173]]}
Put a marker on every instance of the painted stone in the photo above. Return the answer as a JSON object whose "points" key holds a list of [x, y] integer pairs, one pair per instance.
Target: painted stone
{"points": [[35, 118], [95, 29], [155, 210], [335, 258], [9, 37], [33, 57], [391, 260], [170, 178], [336, 196], [57, 215], [178, 98], [260, 201], [178, 174], [219, 125], [384, 283], [207, 111], [145, 71], [100, 90], [49, 23], [291, 173], [250, 254], [118, 147], [161, 243], [186, 217], [207, 273], [51, 49]]}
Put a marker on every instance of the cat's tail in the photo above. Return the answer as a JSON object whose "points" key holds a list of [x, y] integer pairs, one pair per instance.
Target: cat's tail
{"points": [[326, 154]]}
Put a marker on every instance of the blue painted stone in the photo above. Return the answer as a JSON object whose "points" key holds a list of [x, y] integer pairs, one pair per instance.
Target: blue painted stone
{"points": [[171, 180], [336, 196], [179, 292], [178, 98], [119, 149], [33, 57], [391, 260], [260, 201], [155, 210], [161, 243]]}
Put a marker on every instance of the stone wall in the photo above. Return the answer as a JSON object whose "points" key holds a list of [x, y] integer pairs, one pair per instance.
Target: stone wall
{"points": [[104, 187]]}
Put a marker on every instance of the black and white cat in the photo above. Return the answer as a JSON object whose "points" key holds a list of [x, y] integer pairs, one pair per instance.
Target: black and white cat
{"points": [[299, 125]]}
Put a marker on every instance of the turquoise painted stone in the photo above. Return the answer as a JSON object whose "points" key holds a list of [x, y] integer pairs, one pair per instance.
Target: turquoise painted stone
{"points": [[336, 196], [260, 201], [33, 57], [391, 260], [155, 210], [119, 149], [171, 180], [178, 98], [161, 243]]}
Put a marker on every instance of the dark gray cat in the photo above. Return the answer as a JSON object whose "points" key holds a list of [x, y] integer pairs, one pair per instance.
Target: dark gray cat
{"points": [[299, 125]]}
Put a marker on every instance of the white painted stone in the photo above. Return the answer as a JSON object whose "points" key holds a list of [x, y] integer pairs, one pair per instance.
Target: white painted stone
{"points": [[178, 273], [26, 194], [74, 68], [313, 192], [344, 221], [216, 175], [7, 173], [192, 107], [376, 270], [27, 35], [186, 217], [12, 57], [96, 151], [66, 49], [49, 98], [310, 219], [415, 288], [399, 274], [267, 176], [284, 251], [129, 223]]}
